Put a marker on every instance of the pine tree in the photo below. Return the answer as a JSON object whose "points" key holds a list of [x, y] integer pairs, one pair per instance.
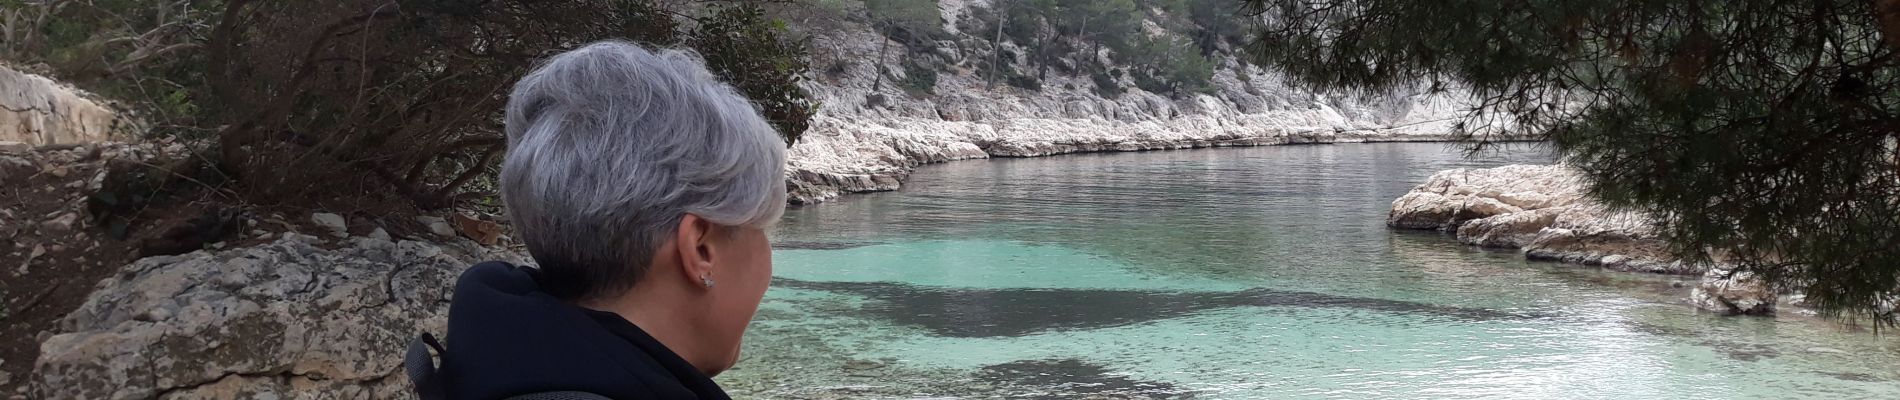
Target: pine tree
{"points": [[908, 19], [1761, 133]]}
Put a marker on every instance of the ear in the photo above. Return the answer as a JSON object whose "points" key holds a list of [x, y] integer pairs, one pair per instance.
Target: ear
{"points": [[694, 239]]}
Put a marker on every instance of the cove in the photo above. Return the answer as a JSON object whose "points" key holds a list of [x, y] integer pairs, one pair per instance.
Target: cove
{"points": [[1237, 274]]}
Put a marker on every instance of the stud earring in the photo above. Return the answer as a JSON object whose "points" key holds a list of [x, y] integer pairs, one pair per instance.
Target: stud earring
{"points": [[707, 281]]}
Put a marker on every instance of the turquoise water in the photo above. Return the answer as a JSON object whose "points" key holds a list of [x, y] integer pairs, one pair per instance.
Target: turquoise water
{"points": [[1237, 274]]}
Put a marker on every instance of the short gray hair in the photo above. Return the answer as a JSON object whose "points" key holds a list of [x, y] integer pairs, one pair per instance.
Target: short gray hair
{"points": [[610, 145]]}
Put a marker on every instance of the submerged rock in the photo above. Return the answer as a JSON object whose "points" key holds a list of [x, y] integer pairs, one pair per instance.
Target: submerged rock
{"points": [[282, 318], [1734, 293]]}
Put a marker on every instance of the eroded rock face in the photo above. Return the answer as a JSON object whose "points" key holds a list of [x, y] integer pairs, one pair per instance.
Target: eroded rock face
{"points": [[1539, 209], [1510, 230], [1449, 199], [1624, 241], [37, 111], [1734, 293], [288, 319]]}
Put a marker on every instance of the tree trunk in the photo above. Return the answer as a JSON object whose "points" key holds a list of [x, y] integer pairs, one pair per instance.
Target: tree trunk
{"points": [[883, 46], [1083, 34], [996, 47]]}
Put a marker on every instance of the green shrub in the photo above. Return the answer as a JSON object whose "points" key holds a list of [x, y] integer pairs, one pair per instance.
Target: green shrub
{"points": [[1147, 81], [919, 80], [1106, 86], [1024, 81]]}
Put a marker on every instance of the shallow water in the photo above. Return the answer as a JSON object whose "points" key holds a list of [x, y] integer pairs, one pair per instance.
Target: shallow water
{"points": [[1261, 272]]}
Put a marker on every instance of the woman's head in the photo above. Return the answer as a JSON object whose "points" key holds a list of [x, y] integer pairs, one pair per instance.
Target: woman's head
{"points": [[631, 172]]}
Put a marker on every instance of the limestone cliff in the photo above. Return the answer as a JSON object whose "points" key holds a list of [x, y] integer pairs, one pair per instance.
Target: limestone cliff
{"points": [[39, 111], [869, 140]]}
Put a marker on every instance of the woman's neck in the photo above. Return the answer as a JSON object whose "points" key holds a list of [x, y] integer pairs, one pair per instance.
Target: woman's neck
{"points": [[668, 324]]}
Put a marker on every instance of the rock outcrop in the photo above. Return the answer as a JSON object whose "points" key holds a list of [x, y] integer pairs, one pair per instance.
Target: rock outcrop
{"points": [[37, 111], [1734, 293], [1539, 209], [289, 319]]}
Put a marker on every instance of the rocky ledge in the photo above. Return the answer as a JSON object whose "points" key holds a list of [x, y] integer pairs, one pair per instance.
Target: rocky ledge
{"points": [[295, 316], [847, 155], [1542, 211]]}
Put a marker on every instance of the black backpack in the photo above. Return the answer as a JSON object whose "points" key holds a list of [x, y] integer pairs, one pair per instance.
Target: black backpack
{"points": [[420, 365]]}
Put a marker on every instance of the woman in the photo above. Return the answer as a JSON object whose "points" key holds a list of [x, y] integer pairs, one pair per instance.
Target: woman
{"points": [[641, 185]]}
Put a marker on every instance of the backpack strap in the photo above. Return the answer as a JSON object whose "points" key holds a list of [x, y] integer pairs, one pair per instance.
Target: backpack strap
{"points": [[560, 396], [421, 367]]}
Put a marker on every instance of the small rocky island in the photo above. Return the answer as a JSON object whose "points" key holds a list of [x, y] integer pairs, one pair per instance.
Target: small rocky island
{"points": [[1543, 211]]}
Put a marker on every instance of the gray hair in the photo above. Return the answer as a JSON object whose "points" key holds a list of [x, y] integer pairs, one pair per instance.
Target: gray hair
{"points": [[610, 145]]}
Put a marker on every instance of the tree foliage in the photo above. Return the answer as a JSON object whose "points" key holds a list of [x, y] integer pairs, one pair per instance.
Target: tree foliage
{"points": [[1078, 36], [305, 98], [905, 17], [1211, 24], [1761, 133], [912, 22], [753, 53]]}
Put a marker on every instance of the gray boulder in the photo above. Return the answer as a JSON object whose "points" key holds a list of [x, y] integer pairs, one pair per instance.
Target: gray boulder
{"points": [[1510, 231], [286, 319], [1734, 293]]}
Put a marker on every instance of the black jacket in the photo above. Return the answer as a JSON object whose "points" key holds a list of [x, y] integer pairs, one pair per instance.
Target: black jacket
{"points": [[508, 338]]}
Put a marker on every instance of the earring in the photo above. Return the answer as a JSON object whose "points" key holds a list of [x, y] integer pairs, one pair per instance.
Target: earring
{"points": [[707, 281]]}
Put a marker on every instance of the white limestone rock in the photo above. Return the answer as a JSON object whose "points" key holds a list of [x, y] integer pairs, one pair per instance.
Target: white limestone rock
{"points": [[332, 222], [282, 320], [1450, 198], [1510, 230], [437, 225], [46, 112], [1539, 209], [380, 234], [1734, 293], [1624, 241]]}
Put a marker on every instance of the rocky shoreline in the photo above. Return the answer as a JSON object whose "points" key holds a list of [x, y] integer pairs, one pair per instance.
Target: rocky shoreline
{"points": [[1542, 211], [879, 156], [868, 137]]}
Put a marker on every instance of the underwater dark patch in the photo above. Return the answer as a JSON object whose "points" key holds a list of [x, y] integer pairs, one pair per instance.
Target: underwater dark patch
{"points": [[1075, 379], [1851, 376], [1743, 352], [958, 312]]}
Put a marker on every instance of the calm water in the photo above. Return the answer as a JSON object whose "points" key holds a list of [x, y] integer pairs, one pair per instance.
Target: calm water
{"points": [[1235, 274]]}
